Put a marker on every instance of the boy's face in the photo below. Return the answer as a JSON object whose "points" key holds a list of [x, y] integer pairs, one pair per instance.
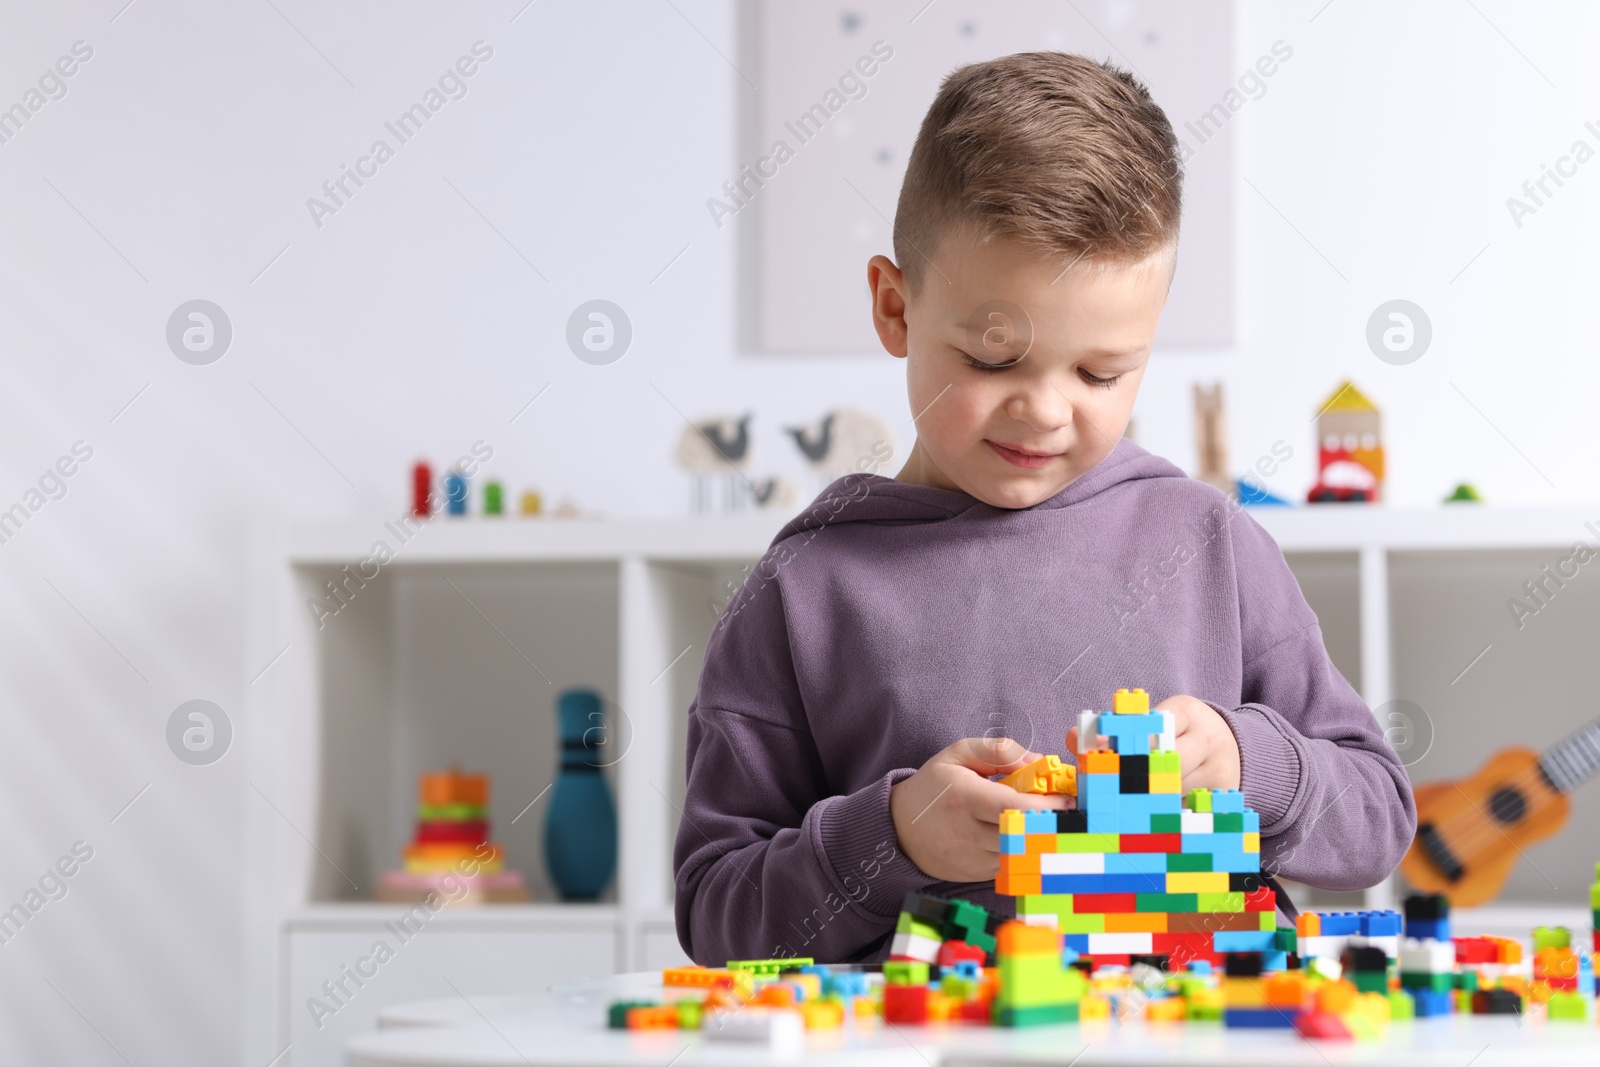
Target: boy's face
{"points": [[1022, 374]]}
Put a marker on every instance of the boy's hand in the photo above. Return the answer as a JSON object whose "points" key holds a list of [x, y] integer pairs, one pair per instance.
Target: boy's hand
{"points": [[1206, 745], [947, 815]]}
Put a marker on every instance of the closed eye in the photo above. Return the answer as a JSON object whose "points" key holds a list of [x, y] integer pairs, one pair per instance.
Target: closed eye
{"points": [[1096, 380], [978, 364]]}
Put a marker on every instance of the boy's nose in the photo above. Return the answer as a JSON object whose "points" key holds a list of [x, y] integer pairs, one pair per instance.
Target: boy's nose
{"points": [[1042, 407]]}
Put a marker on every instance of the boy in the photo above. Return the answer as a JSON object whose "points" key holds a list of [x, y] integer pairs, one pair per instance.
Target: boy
{"points": [[906, 639]]}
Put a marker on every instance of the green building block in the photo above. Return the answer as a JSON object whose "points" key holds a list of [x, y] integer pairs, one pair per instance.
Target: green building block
{"points": [[1044, 1015], [1228, 823], [1038, 981], [1568, 1007], [1551, 937], [617, 1014], [905, 972], [1197, 800], [1189, 861], [1439, 983], [1081, 924], [1467, 979], [773, 966], [1221, 902], [689, 1012], [1370, 981], [1165, 763], [907, 924], [1287, 940], [1088, 843], [1401, 1006], [1166, 824], [1166, 902]]}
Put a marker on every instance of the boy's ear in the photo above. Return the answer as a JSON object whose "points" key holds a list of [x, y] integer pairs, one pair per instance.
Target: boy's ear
{"points": [[889, 294]]}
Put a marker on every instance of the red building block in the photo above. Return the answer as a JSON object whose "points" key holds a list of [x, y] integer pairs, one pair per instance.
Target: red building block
{"points": [[1321, 1024], [905, 1004], [1105, 903], [1263, 899], [953, 952], [1152, 842]]}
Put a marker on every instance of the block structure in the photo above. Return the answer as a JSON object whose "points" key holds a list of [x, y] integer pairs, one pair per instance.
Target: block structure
{"points": [[1140, 869]]}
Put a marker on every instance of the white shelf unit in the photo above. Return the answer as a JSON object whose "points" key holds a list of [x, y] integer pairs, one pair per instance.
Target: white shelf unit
{"points": [[456, 650]]}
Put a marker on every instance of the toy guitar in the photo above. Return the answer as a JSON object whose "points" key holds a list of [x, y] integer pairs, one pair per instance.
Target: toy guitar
{"points": [[1470, 833]]}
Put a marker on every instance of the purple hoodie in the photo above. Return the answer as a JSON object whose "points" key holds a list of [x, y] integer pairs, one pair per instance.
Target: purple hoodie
{"points": [[889, 620]]}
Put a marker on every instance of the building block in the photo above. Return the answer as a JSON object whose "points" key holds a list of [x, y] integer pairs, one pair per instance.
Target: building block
{"points": [[1198, 800], [1045, 775], [1099, 761], [1227, 802], [1130, 702], [1321, 1025], [1166, 783], [1012, 822], [1039, 822], [1258, 1018], [1210, 882], [1567, 1007]]}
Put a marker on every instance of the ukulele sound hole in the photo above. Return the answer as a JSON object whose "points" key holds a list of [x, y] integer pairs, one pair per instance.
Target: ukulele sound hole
{"points": [[1508, 805]]}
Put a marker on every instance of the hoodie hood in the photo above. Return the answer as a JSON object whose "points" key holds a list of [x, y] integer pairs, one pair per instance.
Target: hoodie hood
{"points": [[873, 498]]}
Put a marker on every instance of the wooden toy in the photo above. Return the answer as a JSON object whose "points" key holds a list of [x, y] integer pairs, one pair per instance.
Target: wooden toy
{"points": [[455, 493], [1350, 462], [421, 490], [1211, 436], [1470, 834], [450, 856], [492, 499], [531, 503]]}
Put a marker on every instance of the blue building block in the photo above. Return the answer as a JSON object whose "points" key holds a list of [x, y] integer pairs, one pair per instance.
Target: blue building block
{"points": [[1078, 943], [1252, 822], [1130, 734], [1199, 967], [1039, 822], [1236, 861], [847, 985], [1199, 843], [1244, 941], [1258, 1018], [1151, 803], [1381, 923], [1132, 822], [1438, 929], [1102, 883], [1013, 845], [1136, 863], [1430, 1002], [1227, 802], [1586, 974], [1340, 923], [1274, 961], [1103, 822]]}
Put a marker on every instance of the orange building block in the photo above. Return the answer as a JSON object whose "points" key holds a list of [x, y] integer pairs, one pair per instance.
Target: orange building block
{"points": [[1136, 922], [1020, 939], [1100, 761], [1018, 885], [1286, 989], [1044, 775], [664, 1017], [1028, 864], [453, 787]]}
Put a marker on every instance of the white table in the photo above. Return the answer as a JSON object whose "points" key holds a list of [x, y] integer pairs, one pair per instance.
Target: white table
{"points": [[567, 1027]]}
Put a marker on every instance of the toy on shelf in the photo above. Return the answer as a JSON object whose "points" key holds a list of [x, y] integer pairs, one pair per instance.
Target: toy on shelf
{"points": [[1464, 493], [455, 493], [421, 490], [842, 442], [1211, 436], [580, 837], [1350, 465], [1471, 833], [1255, 496], [712, 447], [450, 856], [452, 497]]}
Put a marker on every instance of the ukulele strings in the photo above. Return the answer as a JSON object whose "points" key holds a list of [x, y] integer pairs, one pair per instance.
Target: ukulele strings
{"points": [[1473, 814]]}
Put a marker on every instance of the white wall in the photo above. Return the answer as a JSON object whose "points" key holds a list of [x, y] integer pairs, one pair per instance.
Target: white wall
{"points": [[406, 325]]}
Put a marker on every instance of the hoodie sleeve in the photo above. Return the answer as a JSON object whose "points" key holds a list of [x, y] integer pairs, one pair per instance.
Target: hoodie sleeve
{"points": [[1335, 800], [769, 860]]}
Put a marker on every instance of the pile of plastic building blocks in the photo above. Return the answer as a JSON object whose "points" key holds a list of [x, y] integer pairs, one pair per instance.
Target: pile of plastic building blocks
{"points": [[1140, 903]]}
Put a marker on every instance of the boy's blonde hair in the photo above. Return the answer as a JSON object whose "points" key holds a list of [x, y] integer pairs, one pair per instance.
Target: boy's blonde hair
{"points": [[1067, 155]]}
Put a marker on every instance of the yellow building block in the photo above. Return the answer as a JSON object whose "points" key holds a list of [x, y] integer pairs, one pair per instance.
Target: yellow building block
{"points": [[1166, 1010], [1166, 782], [1045, 775], [1197, 881], [822, 1014], [1093, 1007], [1252, 841], [1130, 702], [1244, 993], [1012, 821]]}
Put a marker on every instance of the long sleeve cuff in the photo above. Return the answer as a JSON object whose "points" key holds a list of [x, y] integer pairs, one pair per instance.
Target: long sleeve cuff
{"points": [[1269, 762], [854, 835]]}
